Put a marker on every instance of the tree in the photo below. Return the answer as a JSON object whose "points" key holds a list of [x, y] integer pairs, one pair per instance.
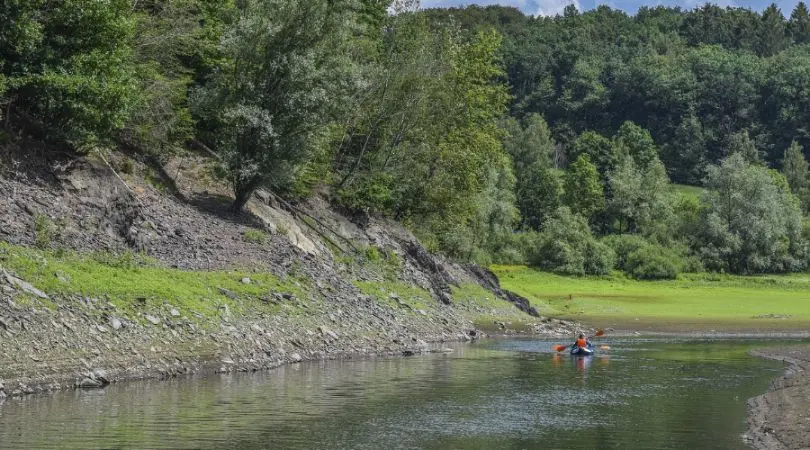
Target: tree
{"points": [[639, 198], [799, 24], [282, 83], [637, 143], [685, 155], [583, 189], [68, 68], [742, 143], [772, 34], [598, 148], [539, 195], [750, 225], [795, 168], [529, 146], [567, 246]]}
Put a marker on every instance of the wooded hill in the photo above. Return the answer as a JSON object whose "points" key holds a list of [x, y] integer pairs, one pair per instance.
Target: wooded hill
{"points": [[494, 136]]}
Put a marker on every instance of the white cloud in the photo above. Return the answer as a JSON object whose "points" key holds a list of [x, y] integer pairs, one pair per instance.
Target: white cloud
{"points": [[549, 8]]}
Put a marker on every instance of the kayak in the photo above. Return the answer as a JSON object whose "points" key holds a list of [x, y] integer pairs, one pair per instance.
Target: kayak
{"points": [[582, 351]]}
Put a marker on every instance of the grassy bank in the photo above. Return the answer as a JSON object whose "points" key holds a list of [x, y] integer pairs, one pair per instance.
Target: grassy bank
{"points": [[698, 302], [131, 282]]}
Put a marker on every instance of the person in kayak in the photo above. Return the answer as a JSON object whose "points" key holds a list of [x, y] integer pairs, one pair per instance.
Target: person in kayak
{"points": [[582, 342]]}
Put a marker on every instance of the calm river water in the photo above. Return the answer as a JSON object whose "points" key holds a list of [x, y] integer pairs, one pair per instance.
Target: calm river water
{"points": [[497, 394]]}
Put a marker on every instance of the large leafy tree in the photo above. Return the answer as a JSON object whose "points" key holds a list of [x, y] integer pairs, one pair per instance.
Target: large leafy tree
{"points": [[286, 72], [584, 193], [752, 222]]}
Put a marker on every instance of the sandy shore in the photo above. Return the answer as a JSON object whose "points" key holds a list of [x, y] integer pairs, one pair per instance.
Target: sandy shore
{"points": [[780, 418]]}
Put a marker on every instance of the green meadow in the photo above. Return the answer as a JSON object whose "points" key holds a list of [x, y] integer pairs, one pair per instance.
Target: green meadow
{"points": [[694, 302]]}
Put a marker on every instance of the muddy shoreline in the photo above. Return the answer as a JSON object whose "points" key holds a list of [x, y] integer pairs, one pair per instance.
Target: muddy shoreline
{"points": [[780, 418]]}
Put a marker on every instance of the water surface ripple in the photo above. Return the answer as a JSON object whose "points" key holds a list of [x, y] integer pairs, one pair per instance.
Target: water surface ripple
{"points": [[643, 393]]}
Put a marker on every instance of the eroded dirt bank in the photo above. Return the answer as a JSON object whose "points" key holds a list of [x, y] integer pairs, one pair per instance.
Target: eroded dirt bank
{"points": [[780, 418]]}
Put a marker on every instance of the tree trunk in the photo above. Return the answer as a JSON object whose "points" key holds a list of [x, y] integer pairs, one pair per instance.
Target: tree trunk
{"points": [[243, 193]]}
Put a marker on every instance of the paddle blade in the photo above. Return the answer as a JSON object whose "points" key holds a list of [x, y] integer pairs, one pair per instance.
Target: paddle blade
{"points": [[560, 348], [600, 332], [604, 347]]}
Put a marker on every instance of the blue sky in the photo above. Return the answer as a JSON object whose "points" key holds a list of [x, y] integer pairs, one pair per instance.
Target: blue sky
{"points": [[552, 7]]}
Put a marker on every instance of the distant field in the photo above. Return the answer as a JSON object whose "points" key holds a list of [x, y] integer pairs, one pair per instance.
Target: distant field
{"points": [[697, 302], [689, 191]]}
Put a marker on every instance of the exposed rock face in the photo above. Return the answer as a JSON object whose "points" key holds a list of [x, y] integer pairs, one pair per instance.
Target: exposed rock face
{"points": [[488, 279], [87, 342]]}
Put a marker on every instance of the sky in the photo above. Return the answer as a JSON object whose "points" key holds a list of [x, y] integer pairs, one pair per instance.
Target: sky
{"points": [[553, 7]]}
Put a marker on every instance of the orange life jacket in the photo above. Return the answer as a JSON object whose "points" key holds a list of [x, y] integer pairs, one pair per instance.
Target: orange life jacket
{"points": [[582, 343]]}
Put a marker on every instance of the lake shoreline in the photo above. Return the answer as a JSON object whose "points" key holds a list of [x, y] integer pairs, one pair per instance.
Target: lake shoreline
{"points": [[780, 418]]}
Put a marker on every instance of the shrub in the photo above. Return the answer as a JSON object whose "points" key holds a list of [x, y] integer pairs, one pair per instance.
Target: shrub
{"points": [[652, 262], [255, 237], [44, 231], [566, 246], [599, 258], [623, 245]]}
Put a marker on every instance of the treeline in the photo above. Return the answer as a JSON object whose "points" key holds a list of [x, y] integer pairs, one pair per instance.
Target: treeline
{"points": [[546, 141]]}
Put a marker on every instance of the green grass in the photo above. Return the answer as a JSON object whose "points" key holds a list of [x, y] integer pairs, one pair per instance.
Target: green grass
{"points": [[132, 282], [413, 296], [692, 303], [255, 237], [689, 191]]}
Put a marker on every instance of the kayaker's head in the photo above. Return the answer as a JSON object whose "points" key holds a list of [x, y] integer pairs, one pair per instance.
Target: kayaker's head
{"points": [[581, 336]]}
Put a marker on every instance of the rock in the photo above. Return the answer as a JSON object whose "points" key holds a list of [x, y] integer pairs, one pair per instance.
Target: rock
{"points": [[89, 383], [327, 332], [62, 277], [393, 296], [100, 375], [230, 294], [174, 312], [296, 358], [115, 323], [24, 286], [246, 280], [227, 360], [153, 319]]}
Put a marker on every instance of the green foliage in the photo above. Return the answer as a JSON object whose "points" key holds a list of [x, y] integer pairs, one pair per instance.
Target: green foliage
{"points": [[44, 231], [567, 246], [255, 237], [795, 168], [69, 67], [637, 143], [623, 245], [122, 279], [750, 225], [651, 262], [597, 148], [583, 190], [539, 194], [282, 82]]}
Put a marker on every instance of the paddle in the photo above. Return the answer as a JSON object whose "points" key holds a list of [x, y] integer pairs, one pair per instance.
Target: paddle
{"points": [[600, 332]]}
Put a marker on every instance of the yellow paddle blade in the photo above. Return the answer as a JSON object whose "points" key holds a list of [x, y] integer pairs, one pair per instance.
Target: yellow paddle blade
{"points": [[604, 347]]}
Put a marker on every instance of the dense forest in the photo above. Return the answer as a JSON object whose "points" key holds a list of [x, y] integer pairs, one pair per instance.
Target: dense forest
{"points": [[496, 137]]}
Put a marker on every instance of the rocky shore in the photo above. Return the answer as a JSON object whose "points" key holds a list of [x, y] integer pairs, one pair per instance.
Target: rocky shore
{"points": [[780, 418], [304, 282]]}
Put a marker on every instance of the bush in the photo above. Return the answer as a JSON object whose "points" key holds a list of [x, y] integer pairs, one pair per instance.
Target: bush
{"points": [[566, 246], [599, 258], [652, 263], [623, 245]]}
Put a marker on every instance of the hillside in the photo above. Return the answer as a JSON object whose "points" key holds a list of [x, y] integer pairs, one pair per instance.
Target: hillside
{"points": [[150, 276]]}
